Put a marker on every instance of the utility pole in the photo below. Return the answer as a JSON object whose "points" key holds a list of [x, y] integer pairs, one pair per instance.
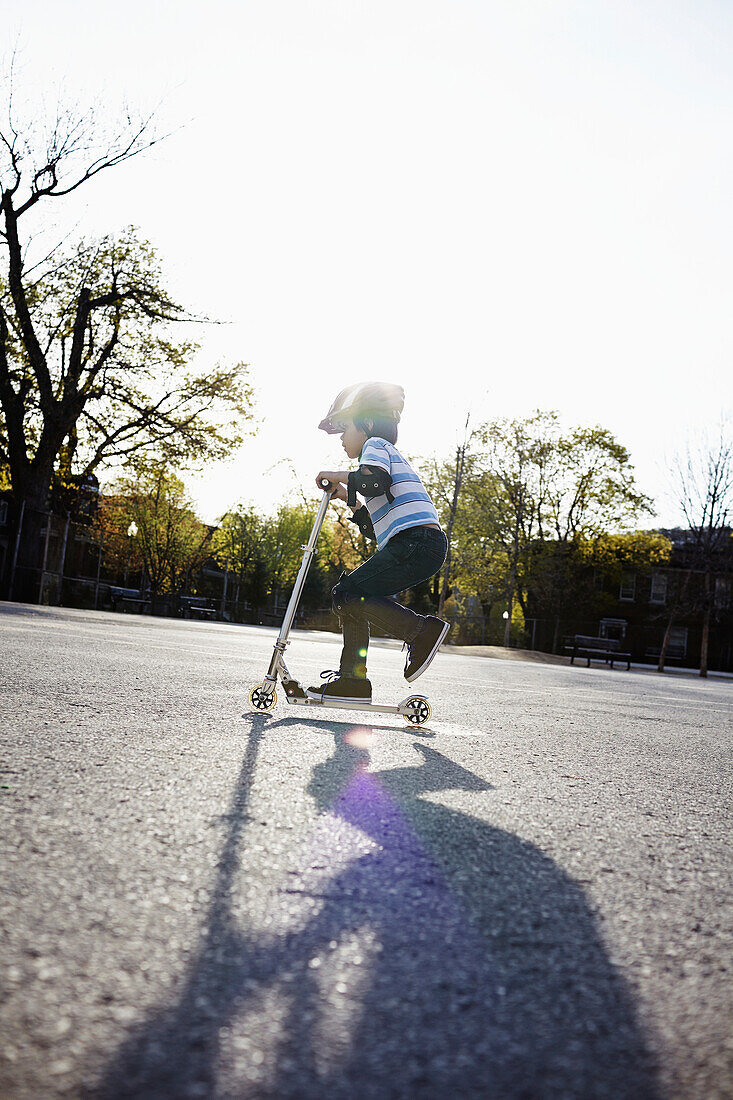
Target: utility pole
{"points": [[460, 465]]}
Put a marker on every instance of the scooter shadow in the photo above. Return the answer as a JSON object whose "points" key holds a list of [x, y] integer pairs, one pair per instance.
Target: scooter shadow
{"points": [[483, 972], [336, 726]]}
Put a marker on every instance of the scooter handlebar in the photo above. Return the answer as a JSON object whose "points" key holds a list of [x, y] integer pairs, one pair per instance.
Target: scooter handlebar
{"points": [[325, 483]]}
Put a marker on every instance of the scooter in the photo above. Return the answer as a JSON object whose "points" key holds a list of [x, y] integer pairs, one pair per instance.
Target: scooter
{"points": [[415, 709]]}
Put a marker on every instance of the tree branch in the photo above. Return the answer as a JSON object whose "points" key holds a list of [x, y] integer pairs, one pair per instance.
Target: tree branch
{"points": [[18, 294], [109, 159], [12, 402]]}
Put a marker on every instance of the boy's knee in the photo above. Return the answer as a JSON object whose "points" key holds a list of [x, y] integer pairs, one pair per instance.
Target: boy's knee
{"points": [[343, 598]]}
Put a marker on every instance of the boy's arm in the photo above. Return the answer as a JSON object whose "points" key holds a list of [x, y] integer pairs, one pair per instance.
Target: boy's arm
{"points": [[369, 481]]}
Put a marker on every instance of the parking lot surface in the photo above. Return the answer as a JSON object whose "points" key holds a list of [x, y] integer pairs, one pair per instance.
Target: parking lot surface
{"points": [[531, 897]]}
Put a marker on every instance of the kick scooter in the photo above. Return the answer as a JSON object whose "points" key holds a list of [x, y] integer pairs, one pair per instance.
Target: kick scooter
{"points": [[415, 709]]}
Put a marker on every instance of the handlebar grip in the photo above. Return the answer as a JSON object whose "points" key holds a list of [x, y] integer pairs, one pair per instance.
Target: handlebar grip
{"points": [[325, 483]]}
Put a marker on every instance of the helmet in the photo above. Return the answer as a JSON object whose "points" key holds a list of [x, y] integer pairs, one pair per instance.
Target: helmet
{"points": [[365, 400]]}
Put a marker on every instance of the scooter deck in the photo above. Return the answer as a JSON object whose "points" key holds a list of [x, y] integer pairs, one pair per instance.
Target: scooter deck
{"points": [[344, 704]]}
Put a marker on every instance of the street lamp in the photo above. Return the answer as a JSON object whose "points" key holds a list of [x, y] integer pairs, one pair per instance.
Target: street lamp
{"points": [[131, 532]]}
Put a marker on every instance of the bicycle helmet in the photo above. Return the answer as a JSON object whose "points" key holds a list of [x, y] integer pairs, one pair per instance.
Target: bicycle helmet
{"points": [[365, 400]]}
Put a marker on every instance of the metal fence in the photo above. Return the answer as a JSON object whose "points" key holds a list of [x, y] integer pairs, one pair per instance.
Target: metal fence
{"points": [[52, 557]]}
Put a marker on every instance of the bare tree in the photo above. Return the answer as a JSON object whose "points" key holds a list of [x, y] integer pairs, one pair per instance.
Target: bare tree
{"points": [[703, 476], [89, 370]]}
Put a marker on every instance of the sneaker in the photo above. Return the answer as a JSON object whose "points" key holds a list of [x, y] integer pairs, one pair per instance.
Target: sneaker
{"points": [[422, 649], [346, 689]]}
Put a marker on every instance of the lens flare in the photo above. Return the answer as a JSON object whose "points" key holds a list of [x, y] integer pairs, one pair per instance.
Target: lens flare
{"points": [[361, 737]]}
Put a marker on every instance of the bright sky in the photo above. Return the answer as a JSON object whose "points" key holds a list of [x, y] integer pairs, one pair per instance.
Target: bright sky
{"points": [[500, 204]]}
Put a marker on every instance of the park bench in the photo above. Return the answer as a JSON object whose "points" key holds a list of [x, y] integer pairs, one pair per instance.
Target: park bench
{"points": [[674, 652], [128, 599], [596, 649], [195, 607]]}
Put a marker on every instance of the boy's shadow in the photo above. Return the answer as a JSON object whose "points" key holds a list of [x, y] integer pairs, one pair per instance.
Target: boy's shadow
{"points": [[487, 975]]}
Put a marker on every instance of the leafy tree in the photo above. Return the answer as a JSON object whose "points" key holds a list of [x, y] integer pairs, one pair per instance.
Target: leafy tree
{"points": [[616, 552], [171, 541], [592, 489], [513, 462], [264, 553], [533, 499], [237, 544], [479, 558], [95, 375]]}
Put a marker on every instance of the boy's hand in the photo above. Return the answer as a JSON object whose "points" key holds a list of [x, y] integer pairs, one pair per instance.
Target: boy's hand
{"points": [[339, 493], [334, 476]]}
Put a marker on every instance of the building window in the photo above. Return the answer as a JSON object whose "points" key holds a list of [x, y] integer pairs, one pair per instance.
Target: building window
{"points": [[659, 588], [678, 640], [3, 513], [628, 587], [722, 593], [613, 628]]}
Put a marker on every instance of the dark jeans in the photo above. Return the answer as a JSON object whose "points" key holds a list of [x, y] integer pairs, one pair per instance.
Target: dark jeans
{"points": [[362, 597]]}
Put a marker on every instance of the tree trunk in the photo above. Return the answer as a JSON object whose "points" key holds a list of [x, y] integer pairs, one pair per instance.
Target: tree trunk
{"points": [[678, 606], [705, 629], [704, 643], [665, 643]]}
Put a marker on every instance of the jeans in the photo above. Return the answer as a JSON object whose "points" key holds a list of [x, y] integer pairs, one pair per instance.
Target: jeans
{"points": [[362, 597]]}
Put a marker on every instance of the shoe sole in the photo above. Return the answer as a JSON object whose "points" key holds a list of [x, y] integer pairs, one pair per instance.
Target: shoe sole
{"points": [[319, 697], [430, 655]]}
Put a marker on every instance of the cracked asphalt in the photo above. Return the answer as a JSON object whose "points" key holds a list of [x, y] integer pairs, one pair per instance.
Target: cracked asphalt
{"points": [[530, 898]]}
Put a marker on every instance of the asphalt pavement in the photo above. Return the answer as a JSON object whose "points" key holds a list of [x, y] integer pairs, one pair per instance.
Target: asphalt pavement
{"points": [[529, 898]]}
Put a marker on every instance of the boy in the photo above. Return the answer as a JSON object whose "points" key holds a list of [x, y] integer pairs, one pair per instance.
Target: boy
{"points": [[400, 516]]}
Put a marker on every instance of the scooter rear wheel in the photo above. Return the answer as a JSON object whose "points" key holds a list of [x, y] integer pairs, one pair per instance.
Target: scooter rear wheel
{"points": [[262, 699], [418, 711]]}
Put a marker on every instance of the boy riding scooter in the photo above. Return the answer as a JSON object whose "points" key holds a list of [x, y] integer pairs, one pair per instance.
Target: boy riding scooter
{"points": [[411, 546]]}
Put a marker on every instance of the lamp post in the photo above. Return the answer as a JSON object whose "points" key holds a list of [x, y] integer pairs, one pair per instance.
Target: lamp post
{"points": [[131, 532]]}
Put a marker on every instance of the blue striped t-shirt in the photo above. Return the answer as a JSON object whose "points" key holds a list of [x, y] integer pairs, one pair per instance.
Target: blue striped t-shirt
{"points": [[411, 506]]}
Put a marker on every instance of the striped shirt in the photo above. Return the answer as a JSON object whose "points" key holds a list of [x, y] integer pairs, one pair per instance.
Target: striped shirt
{"points": [[411, 507]]}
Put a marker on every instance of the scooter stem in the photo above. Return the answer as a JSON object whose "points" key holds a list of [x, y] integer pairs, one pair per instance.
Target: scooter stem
{"points": [[309, 550]]}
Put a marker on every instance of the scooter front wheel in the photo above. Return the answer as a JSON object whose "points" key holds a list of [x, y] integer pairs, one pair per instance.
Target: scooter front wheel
{"points": [[417, 710], [262, 697]]}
